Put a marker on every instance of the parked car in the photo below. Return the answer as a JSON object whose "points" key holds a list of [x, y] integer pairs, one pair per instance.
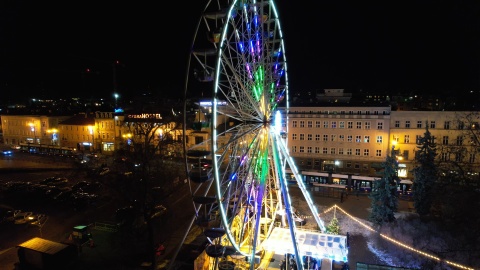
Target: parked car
{"points": [[64, 196], [54, 181], [104, 171], [39, 221], [53, 191], [7, 152], [158, 211], [85, 186], [34, 218], [81, 200], [22, 217]]}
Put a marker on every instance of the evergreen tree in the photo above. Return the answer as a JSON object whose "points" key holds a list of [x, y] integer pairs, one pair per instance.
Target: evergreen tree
{"points": [[425, 173], [334, 227], [384, 192]]}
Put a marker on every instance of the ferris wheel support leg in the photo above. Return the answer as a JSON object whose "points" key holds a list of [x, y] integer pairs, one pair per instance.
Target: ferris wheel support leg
{"points": [[286, 199], [302, 187]]}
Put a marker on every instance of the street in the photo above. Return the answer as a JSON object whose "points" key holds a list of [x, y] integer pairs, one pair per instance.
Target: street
{"points": [[127, 251]]}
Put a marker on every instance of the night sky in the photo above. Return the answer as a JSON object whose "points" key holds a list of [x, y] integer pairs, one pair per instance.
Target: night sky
{"points": [[68, 48]]}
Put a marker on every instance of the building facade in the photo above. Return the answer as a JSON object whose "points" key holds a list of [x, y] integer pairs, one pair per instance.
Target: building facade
{"points": [[31, 129], [455, 134], [343, 138], [339, 139]]}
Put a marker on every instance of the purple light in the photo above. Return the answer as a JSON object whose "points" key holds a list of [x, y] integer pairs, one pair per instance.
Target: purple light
{"points": [[252, 51], [249, 71]]}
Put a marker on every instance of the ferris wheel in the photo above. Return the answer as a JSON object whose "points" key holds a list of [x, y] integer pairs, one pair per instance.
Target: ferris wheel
{"points": [[235, 140]]}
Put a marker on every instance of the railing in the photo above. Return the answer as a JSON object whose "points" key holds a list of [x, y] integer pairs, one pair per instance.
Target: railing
{"points": [[107, 227]]}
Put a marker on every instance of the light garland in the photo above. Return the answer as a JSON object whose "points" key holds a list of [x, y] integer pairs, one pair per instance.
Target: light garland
{"points": [[430, 256]]}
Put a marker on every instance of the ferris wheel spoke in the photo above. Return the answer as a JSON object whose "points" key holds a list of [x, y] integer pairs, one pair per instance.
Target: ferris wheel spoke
{"points": [[244, 62]]}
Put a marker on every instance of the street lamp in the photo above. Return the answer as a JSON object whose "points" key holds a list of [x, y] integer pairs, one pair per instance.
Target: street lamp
{"points": [[32, 128], [116, 97], [127, 137], [53, 131], [92, 145]]}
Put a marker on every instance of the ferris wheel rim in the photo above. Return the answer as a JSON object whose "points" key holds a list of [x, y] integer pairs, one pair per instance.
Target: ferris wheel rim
{"points": [[260, 120]]}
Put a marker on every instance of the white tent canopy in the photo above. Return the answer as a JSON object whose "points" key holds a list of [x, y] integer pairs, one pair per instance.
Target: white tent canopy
{"points": [[318, 245], [406, 181]]}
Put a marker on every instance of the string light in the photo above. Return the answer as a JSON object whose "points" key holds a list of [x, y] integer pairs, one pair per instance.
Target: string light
{"points": [[430, 256]]}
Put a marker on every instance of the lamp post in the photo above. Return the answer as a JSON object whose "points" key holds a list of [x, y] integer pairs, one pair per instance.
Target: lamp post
{"points": [[127, 138], [160, 138], [116, 98], [53, 131], [92, 145], [32, 128]]}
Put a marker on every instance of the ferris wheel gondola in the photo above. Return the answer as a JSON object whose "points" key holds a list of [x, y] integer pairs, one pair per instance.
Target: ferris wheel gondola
{"points": [[238, 145]]}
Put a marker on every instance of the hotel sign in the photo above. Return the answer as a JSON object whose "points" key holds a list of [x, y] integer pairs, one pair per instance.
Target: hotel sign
{"points": [[144, 117]]}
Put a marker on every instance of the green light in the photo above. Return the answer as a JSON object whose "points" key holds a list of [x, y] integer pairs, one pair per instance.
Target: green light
{"points": [[257, 88]]}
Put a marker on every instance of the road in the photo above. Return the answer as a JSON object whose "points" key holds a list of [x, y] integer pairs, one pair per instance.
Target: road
{"points": [[119, 250], [126, 251]]}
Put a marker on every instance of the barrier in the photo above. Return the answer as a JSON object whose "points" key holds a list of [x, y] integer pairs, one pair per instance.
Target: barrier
{"points": [[107, 227]]}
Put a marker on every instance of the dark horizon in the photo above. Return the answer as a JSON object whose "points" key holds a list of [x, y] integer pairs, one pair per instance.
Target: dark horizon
{"points": [[53, 50]]}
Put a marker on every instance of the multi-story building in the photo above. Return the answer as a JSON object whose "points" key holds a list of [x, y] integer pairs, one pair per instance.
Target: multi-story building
{"points": [[337, 137], [341, 139], [107, 130], [78, 132], [350, 139], [455, 134], [31, 129]]}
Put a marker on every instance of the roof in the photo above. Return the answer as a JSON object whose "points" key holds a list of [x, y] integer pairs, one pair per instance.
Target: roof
{"points": [[43, 245], [82, 119]]}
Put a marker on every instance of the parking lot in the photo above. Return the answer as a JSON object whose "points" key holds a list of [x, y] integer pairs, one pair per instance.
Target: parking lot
{"points": [[33, 185], [120, 249]]}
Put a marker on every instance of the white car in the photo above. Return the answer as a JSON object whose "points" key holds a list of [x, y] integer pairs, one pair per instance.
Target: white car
{"points": [[22, 218], [37, 220]]}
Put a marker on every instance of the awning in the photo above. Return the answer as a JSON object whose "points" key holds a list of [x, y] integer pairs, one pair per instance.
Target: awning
{"points": [[406, 181]]}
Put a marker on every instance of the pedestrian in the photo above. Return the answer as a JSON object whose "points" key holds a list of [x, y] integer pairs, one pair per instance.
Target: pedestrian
{"points": [[341, 197], [356, 193]]}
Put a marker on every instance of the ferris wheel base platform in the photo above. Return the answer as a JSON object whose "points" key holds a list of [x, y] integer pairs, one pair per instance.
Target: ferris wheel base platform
{"points": [[310, 243]]}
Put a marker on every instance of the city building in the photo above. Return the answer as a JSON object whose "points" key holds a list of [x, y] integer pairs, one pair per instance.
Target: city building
{"points": [[332, 133], [31, 129], [455, 134], [78, 132], [107, 131], [339, 138]]}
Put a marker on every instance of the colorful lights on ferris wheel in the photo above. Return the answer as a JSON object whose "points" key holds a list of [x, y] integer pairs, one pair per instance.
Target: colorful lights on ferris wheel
{"points": [[277, 122]]}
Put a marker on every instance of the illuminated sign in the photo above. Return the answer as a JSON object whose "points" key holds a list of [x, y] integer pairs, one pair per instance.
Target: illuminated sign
{"points": [[143, 117], [209, 103]]}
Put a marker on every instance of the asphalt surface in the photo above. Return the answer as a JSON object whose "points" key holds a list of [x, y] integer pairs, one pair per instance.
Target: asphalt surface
{"points": [[124, 250]]}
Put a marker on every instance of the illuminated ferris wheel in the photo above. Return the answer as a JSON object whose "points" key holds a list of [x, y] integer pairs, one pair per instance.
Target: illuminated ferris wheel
{"points": [[236, 154]]}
